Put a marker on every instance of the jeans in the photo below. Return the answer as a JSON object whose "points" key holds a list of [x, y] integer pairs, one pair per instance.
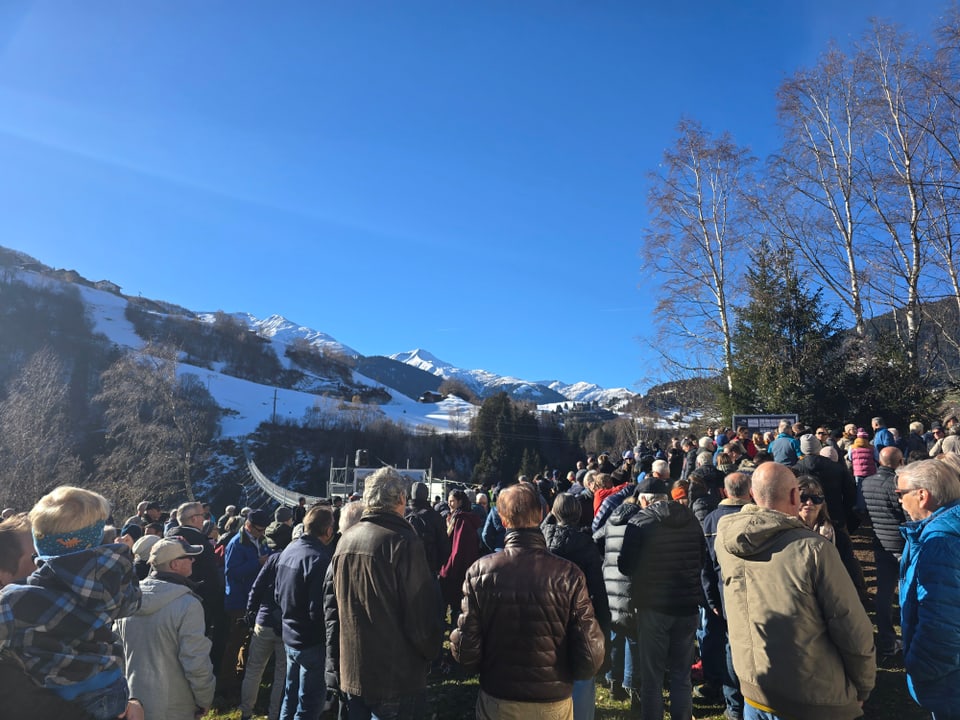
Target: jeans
{"points": [[264, 643], [305, 692], [106, 703], [623, 650], [584, 699], [751, 713], [731, 687], [710, 636], [888, 573], [665, 645], [409, 707]]}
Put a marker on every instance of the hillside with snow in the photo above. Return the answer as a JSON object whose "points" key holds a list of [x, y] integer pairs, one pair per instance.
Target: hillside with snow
{"points": [[247, 403]]}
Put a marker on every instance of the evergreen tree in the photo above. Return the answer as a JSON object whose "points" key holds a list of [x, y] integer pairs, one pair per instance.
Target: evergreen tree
{"points": [[787, 356], [503, 433]]}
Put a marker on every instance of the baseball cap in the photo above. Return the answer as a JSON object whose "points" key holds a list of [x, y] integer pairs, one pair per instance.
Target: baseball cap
{"points": [[171, 548]]}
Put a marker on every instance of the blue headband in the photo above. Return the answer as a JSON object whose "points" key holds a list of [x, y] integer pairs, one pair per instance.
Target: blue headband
{"points": [[55, 544]]}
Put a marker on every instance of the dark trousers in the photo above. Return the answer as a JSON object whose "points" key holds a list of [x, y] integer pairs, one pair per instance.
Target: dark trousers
{"points": [[731, 686], [233, 660], [888, 573], [711, 636]]}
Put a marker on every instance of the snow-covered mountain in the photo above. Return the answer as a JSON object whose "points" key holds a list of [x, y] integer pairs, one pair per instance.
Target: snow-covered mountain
{"points": [[589, 392], [485, 383], [281, 330]]}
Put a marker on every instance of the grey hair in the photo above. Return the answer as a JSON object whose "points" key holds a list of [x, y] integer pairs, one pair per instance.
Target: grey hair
{"points": [[350, 516], [186, 507], [385, 489], [877, 421], [566, 508], [652, 497], [916, 427], [737, 485], [661, 467], [939, 479]]}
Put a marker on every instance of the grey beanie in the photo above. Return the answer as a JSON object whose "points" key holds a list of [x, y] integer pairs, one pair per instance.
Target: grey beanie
{"points": [[809, 445]]}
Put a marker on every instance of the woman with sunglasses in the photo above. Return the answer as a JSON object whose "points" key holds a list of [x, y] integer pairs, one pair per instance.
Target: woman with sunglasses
{"points": [[813, 508], [814, 514]]}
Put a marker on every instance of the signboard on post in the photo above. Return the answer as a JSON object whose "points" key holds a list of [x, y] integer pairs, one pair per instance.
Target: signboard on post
{"points": [[763, 423]]}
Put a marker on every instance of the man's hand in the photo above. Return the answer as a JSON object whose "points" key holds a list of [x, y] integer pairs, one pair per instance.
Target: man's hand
{"points": [[134, 710]]}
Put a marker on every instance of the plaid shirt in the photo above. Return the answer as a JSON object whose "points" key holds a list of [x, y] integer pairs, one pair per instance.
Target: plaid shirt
{"points": [[60, 621]]}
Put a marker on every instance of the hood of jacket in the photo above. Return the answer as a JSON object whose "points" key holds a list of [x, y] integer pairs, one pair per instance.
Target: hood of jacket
{"points": [[97, 577], [754, 529], [160, 591], [622, 514]]}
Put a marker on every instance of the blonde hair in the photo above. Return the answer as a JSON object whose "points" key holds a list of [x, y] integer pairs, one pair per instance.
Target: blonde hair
{"points": [[67, 509]]}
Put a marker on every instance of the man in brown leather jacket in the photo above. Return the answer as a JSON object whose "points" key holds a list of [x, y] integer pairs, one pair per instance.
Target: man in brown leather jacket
{"points": [[528, 624]]}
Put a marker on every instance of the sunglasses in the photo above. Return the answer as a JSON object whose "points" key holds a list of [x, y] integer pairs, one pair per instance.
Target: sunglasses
{"points": [[907, 491], [815, 499]]}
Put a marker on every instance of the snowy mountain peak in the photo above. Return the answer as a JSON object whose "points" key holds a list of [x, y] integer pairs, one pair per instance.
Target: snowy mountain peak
{"points": [[424, 360], [485, 383], [280, 329]]}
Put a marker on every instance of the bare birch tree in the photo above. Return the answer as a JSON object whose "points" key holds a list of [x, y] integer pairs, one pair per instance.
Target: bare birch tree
{"points": [[695, 243], [902, 156], [813, 202]]}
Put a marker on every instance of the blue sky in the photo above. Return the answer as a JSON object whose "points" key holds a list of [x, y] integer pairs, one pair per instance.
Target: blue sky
{"points": [[465, 177]]}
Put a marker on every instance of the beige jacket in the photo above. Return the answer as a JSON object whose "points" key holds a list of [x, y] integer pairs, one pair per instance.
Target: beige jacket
{"points": [[802, 643]]}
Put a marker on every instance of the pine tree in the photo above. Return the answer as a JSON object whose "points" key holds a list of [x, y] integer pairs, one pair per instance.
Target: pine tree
{"points": [[787, 355]]}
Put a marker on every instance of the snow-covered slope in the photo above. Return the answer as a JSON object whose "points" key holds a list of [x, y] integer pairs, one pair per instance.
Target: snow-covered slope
{"points": [[283, 331]]}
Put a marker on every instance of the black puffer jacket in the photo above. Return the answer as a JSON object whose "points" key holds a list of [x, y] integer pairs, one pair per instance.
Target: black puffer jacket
{"points": [[575, 545], [528, 624], [884, 508], [664, 551], [432, 530], [609, 539]]}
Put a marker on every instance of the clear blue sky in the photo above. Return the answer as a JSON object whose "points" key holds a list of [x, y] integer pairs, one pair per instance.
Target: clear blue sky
{"points": [[465, 177]]}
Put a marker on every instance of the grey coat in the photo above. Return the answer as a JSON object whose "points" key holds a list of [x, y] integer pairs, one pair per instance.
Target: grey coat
{"points": [[167, 655]]}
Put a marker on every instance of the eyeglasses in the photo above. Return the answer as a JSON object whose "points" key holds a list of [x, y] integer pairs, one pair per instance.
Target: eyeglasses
{"points": [[907, 491], [815, 499]]}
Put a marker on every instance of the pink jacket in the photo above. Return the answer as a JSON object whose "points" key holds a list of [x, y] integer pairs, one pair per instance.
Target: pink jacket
{"points": [[863, 463]]}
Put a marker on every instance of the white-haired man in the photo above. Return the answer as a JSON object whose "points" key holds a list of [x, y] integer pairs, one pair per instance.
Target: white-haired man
{"points": [[388, 607], [929, 491]]}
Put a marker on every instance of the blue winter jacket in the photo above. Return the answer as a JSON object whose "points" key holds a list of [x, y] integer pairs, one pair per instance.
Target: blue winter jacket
{"points": [[240, 568], [930, 609], [299, 592]]}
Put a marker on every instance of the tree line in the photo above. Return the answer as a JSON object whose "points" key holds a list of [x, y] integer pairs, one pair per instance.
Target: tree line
{"points": [[825, 278]]}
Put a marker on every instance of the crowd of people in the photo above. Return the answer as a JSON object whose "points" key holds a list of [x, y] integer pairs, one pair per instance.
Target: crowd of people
{"points": [[726, 557]]}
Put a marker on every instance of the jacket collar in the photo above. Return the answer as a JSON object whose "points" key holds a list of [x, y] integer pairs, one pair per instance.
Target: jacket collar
{"points": [[914, 528], [525, 538], [735, 501]]}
